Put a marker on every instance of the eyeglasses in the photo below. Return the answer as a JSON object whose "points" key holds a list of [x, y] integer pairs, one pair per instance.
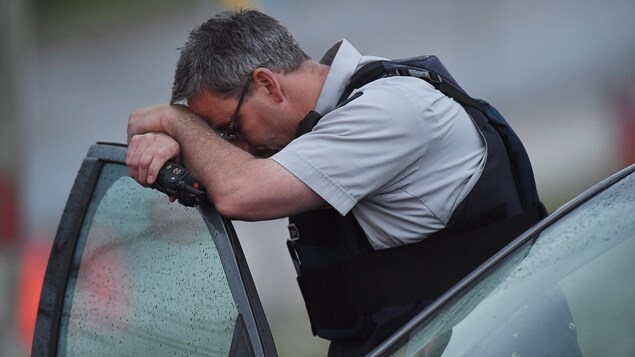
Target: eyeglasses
{"points": [[232, 130]]}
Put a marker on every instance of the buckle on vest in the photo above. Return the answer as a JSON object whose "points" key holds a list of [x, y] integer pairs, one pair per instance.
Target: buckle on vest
{"points": [[428, 76], [294, 235], [294, 232]]}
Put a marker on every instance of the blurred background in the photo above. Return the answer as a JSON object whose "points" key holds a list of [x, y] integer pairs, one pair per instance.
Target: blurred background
{"points": [[71, 71]]}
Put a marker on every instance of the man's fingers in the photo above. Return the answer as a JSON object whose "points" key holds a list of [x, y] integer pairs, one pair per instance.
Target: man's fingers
{"points": [[167, 151], [144, 163], [138, 146], [147, 153]]}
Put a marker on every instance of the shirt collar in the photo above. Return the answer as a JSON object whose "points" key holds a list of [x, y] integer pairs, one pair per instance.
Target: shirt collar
{"points": [[343, 59]]}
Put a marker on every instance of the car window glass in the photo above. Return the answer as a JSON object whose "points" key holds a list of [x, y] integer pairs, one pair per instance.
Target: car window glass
{"points": [[146, 278], [568, 293]]}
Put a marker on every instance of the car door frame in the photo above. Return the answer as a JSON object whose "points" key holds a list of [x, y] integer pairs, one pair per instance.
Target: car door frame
{"points": [[47, 327], [383, 348]]}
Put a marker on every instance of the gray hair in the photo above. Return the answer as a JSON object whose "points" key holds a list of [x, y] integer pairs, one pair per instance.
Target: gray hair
{"points": [[220, 54]]}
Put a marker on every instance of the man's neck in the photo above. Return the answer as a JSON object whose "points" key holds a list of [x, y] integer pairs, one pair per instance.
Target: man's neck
{"points": [[305, 86]]}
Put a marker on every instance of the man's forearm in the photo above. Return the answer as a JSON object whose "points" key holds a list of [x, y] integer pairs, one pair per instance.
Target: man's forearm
{"points": [[216, 163], [240, 185]]}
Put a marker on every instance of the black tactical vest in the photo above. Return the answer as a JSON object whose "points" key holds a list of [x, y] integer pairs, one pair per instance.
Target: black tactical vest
{"points": [[343, 279]]}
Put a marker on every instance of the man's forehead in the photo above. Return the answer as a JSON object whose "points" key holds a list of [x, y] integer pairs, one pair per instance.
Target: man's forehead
{"points": [[210, 104], [207, 99]]}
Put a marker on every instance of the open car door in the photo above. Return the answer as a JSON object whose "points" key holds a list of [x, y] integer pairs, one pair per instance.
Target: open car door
{"points": [[132, 274]]}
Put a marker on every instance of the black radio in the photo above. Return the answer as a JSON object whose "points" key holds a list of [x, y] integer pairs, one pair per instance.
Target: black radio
{"points": [[176, 181]]}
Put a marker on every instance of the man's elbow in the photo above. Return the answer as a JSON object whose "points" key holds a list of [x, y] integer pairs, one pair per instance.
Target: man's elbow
{"points": [[235, 208], [225, 206]]}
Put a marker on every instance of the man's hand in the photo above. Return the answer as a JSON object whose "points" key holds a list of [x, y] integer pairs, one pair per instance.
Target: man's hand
{"points": [[150, 143], [147, 153], [155, 119]]}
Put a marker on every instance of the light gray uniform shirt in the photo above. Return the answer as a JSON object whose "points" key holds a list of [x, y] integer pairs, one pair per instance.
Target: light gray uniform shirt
{"points": [[401, 156]]}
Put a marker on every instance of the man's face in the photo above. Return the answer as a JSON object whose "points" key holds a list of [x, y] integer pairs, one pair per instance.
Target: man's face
{"points": [[259, 124]]}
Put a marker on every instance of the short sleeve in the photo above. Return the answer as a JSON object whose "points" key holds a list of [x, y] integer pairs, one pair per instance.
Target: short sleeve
{"points": [[368, 146]]}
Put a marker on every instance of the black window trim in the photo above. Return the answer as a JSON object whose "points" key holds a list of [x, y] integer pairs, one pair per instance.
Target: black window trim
{"points": [[46, 333], [532, 233]]}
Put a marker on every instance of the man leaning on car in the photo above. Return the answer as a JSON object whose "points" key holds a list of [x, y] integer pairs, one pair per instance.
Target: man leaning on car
{"points": [[401, 160]]}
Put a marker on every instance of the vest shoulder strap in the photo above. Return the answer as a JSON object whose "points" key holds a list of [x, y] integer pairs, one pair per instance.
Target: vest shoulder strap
{"points": [[428, 68], [432, 70]]}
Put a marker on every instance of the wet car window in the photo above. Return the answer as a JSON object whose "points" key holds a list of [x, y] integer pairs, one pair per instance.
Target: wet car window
{"points": [[146, 278], [569, 292]]}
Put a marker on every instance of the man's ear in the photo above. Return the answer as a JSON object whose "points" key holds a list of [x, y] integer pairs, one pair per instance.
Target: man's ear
{"points": [[268, 81]]}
